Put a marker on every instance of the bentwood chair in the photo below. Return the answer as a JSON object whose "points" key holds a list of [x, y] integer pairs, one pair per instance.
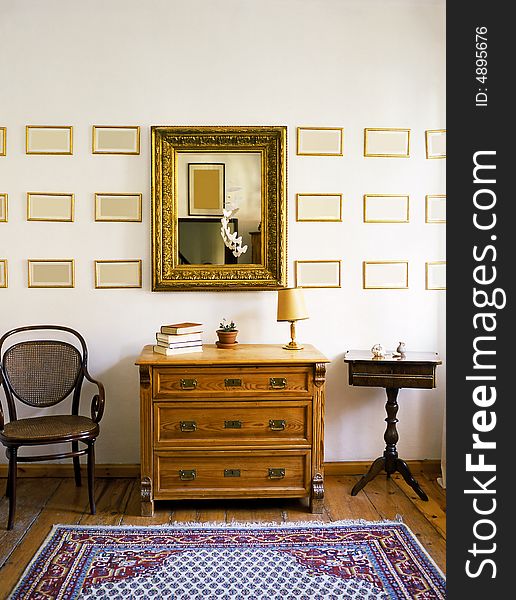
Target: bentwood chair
{"points": [[41, 373]]}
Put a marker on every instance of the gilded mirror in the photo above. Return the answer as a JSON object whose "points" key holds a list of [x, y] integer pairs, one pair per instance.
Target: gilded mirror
{"points": [[218, 207]]}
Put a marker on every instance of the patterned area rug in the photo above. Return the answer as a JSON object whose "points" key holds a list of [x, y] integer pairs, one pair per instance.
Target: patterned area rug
{"points": [[355, 560]]}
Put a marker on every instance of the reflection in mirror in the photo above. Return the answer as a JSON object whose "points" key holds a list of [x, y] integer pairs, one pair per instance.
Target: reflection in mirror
{"points": [[219, 207]]}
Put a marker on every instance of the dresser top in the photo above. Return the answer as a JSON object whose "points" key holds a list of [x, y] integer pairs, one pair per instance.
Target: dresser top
{"points": [[410, 357], [244, 354]]}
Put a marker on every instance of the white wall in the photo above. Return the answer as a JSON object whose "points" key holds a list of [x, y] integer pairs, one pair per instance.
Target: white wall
{"points": [[351, 64]]}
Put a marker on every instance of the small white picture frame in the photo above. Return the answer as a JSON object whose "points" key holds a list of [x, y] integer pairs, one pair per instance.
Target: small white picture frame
{"points": [[48, 139], [42, 206], [113, 139], [3, 141], [111, 274], [385, 275], [435, 208], [3, 273], [51, 273], [118, 207], [320, 141], [319, 207], [317, 273], [435, 143], [4, 206], [384, 142], [386, 208], [435, 275]]}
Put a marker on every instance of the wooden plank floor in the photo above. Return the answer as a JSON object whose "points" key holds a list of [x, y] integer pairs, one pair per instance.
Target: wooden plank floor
{"points": [[43, 502]]}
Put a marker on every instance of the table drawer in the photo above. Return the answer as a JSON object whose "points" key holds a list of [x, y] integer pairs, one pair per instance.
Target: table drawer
{"points": [[388, 374], [180, 424], [227, 474], [215, 381]]}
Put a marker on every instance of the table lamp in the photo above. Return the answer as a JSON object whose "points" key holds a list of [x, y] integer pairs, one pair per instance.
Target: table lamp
{"points": [[291, 307]]}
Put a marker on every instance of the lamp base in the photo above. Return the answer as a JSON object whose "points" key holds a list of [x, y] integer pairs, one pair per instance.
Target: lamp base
{"points": [[293, 346]]}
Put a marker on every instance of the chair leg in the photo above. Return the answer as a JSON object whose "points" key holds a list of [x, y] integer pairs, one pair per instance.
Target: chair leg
{"points": [[13, 453], [8, 484], [76, 464], [91, 475]]}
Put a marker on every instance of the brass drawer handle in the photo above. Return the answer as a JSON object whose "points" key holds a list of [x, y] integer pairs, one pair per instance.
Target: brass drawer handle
{"points": [[276, 473], [277, 424], [233, 382], [278, 383], [187, 426], [232, 424], [187, 474], [231, 472], [188, 384]]}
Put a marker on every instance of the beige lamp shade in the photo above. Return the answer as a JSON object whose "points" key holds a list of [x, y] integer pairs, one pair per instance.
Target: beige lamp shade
{"points": [[291, 305]]}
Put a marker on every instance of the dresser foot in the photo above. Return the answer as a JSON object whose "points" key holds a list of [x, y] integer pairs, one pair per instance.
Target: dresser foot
{"points": [[147, 507], [317, 494]]}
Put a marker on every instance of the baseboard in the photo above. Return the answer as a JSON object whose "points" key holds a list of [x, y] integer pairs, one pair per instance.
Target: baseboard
{"points": [[358, 467]]}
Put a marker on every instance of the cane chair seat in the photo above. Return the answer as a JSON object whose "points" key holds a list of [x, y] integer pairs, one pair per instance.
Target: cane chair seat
{"points": [[45, 429]]}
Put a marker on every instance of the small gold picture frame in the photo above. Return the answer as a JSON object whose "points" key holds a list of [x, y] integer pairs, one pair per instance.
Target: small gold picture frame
{"points": [[386, 142], [114, 139], [48, 139], [3, 273], [435, 208], [435, 143], [3, 141], [317, 273], [42, 206], [206, 189], [385, 275], [4, 205], [118, 207], [110, 274], [386, 208], [435, 275], [320, 141], [51, 273], [319, 207]]}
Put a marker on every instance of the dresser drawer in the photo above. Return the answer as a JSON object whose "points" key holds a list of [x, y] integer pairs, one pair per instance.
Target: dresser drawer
{"points": [[180, 424], [393, 375], [216, 381], [231, 474]]}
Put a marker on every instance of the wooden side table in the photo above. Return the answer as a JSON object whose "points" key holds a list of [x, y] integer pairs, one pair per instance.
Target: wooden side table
{"points": [[414, 370]]}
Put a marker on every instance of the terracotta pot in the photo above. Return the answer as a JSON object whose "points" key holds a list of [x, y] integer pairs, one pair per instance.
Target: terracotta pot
{"points": [[227, 337]]}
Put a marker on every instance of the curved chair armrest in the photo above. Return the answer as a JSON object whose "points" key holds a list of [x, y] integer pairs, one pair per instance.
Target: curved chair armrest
{"points": [[2, 422], [98, 400]]}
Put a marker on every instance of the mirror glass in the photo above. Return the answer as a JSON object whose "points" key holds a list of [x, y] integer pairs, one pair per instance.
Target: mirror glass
{"points": [[219, 207]]}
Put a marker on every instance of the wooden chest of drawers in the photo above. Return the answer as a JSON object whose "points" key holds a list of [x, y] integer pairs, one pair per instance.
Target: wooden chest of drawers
{"points": [[232, 423]]}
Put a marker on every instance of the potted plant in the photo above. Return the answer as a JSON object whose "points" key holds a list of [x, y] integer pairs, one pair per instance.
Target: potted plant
{"points": [[227, 333]]}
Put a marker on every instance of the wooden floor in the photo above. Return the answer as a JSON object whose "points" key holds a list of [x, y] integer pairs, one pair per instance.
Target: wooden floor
{"points": [[43, 502]]}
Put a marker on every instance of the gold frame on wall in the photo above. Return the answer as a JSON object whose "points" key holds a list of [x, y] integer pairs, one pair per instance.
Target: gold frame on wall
{"points": [[94, 140], [98, 199], [169, 141], [427, 208], [337, 219], [334, 152], [49, 151], [69, 261], [3, 141], [407, 215], [51, 194], [98, 284], [4, 279], [427, 274], [428, 133], [365, 263], [4, 207], [299, 283], [386, 154]]}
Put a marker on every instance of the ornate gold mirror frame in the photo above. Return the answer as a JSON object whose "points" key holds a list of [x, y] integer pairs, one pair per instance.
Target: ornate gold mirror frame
{"points": [[168, 274]]}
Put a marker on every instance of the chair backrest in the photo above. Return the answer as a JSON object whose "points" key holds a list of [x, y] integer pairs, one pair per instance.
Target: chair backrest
{"points": [[42, 372]]}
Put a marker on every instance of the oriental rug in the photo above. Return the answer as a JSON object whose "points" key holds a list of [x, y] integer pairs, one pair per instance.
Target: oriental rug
{"points": [[355, 560]]}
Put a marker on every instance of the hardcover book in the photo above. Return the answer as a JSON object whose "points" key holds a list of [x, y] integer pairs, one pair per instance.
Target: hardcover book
{"points": [[180, 328], [170, 351], [174, 338]]}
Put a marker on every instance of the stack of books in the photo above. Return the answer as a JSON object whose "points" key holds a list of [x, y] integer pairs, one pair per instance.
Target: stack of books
{"points": [[179, 338]]}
